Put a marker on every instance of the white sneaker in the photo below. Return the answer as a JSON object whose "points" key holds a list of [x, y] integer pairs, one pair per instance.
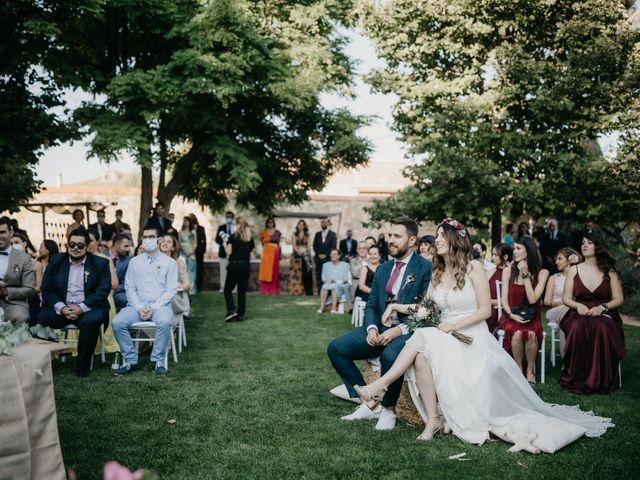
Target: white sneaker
{"points": [[363, 413], [387, 420]]}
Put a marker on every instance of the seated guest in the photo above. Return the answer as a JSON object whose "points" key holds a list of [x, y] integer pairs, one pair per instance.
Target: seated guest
{"points": [[169, 246], [335, 279], [120, 260], [78, 221], [425, 242], [481, 248], [365, 277], [522, 289], [370, 241], [29, 248], [501, 256], [594, 340], [356, 264], [92, 247], [48, 248], [19, 242], [120, 227], [17, 280], [75, 290], [150, 283]]}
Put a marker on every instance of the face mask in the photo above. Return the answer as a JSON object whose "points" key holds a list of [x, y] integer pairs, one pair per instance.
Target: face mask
{"points": [[18, 247], [229, 221], [150, 245]]}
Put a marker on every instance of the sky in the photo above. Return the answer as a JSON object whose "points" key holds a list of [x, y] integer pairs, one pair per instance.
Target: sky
{"points": [[70, 162]]}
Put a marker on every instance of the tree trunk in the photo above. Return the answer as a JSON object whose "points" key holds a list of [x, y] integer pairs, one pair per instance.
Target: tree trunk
{"points": [[167, 191], [146, 196], [496, 226]]}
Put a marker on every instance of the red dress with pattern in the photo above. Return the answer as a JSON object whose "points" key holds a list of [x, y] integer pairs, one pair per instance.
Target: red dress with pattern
{"points": [[594, 346], [518, 298], [493, 322]]}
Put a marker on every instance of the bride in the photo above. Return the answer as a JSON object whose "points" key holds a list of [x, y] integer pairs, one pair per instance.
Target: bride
{"points": [[479, 388]]}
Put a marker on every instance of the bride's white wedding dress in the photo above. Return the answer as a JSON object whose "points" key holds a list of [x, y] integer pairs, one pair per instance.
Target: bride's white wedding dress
{"points": [[480, 388]]}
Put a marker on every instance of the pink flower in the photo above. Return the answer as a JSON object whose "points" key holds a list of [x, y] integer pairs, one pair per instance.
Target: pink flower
{"points": [[115, 471]]}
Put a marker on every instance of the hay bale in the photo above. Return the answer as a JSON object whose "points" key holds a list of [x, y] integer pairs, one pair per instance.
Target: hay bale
{"points": [[405, 409]]}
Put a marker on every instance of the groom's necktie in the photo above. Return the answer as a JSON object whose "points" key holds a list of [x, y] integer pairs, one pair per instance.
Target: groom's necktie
{"points": [[393, 278]]}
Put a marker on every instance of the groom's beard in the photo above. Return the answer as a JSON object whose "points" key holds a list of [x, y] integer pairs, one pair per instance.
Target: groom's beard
{"points": [[401, 252]]}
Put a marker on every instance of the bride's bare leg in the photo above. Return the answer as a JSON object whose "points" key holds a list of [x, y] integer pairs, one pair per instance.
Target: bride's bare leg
{"points": [[517, 348], [427, 389], [403, 362]]}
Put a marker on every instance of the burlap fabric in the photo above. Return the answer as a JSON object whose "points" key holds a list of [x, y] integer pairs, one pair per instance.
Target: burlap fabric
{"points": [[29, 444], [405, 409]]}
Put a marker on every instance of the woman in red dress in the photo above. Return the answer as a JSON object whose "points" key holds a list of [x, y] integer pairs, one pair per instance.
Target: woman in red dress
{"points": [[594, 339], [522, 289], [501, 256]]}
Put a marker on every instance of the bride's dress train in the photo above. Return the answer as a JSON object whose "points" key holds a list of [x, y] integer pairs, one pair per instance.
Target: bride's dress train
{"points": [[481, 390]]}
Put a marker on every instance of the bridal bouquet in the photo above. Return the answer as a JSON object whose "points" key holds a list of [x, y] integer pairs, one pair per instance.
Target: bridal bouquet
{"points": [[428, 314]]}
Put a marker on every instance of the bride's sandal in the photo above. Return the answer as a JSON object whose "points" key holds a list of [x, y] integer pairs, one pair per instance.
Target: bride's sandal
{"points": [[427, 436], [371, 402]]}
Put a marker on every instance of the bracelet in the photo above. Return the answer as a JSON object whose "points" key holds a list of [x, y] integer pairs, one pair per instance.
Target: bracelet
{"points": [[509, 314], [525, 276]]}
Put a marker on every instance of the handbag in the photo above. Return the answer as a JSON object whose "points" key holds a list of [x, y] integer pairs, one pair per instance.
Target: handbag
{"points": [[527, 313], [180, 302]]}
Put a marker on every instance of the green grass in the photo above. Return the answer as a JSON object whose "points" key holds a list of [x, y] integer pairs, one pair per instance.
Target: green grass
{"points": [[251, 401]]}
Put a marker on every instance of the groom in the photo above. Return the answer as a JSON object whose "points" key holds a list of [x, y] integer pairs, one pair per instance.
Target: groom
{"points": [[400, 281]]}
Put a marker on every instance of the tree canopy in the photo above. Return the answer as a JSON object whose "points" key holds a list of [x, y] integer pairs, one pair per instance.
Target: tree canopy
{"points": [[501, 104]]}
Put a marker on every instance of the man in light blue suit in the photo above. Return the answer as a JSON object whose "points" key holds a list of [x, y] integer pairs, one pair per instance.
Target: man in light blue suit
{"points": [[402, 281]]}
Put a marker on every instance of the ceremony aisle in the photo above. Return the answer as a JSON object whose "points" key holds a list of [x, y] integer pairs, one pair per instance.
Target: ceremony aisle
{"points": [[251, 400]]}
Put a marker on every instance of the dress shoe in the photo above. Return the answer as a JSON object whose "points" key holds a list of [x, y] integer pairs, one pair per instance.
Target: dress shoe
{"points": [[370, 401], [82, 373], [125, 369], [387, 420], [363, 413], [158, 368], [231, 316]]}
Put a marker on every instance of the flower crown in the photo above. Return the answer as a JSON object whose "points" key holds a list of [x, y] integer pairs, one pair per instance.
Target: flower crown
{"points": [[456, 225]]}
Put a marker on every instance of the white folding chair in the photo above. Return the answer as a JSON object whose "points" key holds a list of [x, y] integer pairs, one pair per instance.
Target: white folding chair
{"points": [[68, 341], [553, 326], [148, 328], [360, 307], [182, 333]]}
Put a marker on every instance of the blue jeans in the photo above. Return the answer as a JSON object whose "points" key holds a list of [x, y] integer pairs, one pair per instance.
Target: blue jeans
{"points": [[127, 317]]}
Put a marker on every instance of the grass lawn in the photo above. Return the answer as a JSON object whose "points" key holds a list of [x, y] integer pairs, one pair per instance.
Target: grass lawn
{"points": [[251, 400]]}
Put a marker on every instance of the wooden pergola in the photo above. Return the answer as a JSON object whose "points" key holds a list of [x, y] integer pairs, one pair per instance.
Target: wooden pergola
{"points": [[64, 208]]}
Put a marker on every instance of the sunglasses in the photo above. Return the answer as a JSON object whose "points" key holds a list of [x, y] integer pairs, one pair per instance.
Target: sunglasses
{"points": [[77, 245]]}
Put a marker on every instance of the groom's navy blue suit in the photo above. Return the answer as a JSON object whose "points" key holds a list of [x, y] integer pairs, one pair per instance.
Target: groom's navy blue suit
{"points": [[344, 350]]}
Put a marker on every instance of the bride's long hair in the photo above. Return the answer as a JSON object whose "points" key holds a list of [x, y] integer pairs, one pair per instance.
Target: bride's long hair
{"points": [[459, 253]]}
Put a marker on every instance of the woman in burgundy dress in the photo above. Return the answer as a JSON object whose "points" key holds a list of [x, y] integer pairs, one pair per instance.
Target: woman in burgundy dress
{"points": [[594, 340], [501, 256], [522, 289]]}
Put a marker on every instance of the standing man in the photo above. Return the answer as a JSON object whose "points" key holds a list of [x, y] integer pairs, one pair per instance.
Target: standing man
{"points": [[103, 231], [224, 232], [160, 220], [121, 227], [120, 256], [17, 280], [323, 242], [348, 247], [151, 283], [75, 288], [551, 243], [201, 248], [396, 282]]}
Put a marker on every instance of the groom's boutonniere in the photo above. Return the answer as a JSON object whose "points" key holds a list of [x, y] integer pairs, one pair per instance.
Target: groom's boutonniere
{"points": [[86, 275], [410, 279], [16, 269]]}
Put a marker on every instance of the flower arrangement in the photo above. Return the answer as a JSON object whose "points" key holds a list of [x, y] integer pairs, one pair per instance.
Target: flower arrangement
{"points": [[427, 313]]}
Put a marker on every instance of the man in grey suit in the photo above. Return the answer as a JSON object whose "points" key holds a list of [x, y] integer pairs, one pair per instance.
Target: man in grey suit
{"points": [[17, 280]]}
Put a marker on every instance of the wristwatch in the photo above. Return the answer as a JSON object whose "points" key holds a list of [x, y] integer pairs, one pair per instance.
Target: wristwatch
{"points": [[605, 308]]}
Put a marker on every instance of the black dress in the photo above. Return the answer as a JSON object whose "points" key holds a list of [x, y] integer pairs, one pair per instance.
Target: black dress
{"points": [[368, 281]]}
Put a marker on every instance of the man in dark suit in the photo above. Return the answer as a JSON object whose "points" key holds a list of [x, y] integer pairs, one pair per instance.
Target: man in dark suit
{"points": [[160, 221], [348, 247], [224, 231], [201, 248], [120, 256], [551, 243], [398, 282], [103, 231], [17, 280], [75, 289], [121, 227], [323, 242]]}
